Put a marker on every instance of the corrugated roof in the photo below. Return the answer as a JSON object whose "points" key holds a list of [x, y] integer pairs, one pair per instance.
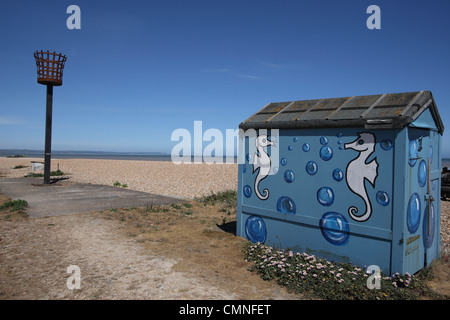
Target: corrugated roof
{"points": [[393, 110]]}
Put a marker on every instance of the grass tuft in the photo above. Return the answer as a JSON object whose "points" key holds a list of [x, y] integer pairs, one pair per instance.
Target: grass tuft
{"points": [[40, 175], [226, 200], [14, 205], [119, 184]]}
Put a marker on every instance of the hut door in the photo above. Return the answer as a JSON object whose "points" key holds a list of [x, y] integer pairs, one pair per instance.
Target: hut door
{"points": [[429, 212], [430, 222], [421, 203]]}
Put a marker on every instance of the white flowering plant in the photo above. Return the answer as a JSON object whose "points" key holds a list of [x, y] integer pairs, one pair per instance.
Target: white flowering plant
{"points": [[308, 274]]}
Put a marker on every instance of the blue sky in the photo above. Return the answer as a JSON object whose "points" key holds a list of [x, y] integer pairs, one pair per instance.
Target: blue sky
{"points": [[138, 70]]}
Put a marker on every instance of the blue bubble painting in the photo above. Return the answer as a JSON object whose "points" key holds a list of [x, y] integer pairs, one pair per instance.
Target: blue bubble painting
{"points": [[311, 168], [382, 198], [247, 191], [334, 228], [386, 144], [326, 153], [323, 140], [413, 213], [413, 153], [428, 227], [286, 205], [306, 147], [325, 196], [422, 173], [255, 229], [338, 175], [289, 176]]}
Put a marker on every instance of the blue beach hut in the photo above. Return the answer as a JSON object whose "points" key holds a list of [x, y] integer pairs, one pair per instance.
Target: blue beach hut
{"points": [[353, 179]]}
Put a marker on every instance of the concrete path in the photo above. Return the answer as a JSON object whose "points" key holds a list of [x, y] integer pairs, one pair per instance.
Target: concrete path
{"points": [[64, 197]]}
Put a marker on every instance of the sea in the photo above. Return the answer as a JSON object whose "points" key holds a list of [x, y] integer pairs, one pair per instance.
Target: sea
{"points": [[139, 156]]}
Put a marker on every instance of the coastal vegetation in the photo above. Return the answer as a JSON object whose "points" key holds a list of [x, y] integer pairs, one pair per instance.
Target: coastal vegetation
{"points": [[39, 175]]}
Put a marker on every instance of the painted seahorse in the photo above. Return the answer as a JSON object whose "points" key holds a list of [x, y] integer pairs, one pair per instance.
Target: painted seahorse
{"points": [[358, 170], [262, 162]]}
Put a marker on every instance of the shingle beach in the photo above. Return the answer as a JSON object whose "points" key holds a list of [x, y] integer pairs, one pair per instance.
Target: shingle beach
{"points": [[159, 177]]}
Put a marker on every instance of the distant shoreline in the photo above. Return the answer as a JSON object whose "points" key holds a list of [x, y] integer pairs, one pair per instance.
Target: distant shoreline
{"points": [[71, 154], [136, 156], [102, 157], [114, 155]]}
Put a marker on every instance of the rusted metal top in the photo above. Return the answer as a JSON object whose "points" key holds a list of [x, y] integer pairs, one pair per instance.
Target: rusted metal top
{"points": [[50, 67], [383, 111]]}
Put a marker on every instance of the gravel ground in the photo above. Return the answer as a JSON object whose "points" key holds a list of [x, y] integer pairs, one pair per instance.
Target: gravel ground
{"points": [[445, 228], [159, 177]]}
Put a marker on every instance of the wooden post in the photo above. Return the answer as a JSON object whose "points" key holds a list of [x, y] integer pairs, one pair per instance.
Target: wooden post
{"points": [[48, 135]]}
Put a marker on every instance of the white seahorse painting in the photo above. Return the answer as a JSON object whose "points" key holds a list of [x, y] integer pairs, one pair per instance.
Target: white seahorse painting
{"points": [[359, 170], [262, 162]]}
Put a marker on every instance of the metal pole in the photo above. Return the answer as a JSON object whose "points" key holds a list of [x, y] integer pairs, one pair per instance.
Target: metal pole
{"points": [[48, 135]]}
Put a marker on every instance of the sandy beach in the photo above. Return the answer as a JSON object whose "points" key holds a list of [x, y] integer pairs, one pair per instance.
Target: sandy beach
{"points": [[159, 177]]}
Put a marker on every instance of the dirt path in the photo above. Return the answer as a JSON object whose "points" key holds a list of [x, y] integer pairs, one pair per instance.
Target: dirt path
{"points": [[35, 255], [115, 267]]}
